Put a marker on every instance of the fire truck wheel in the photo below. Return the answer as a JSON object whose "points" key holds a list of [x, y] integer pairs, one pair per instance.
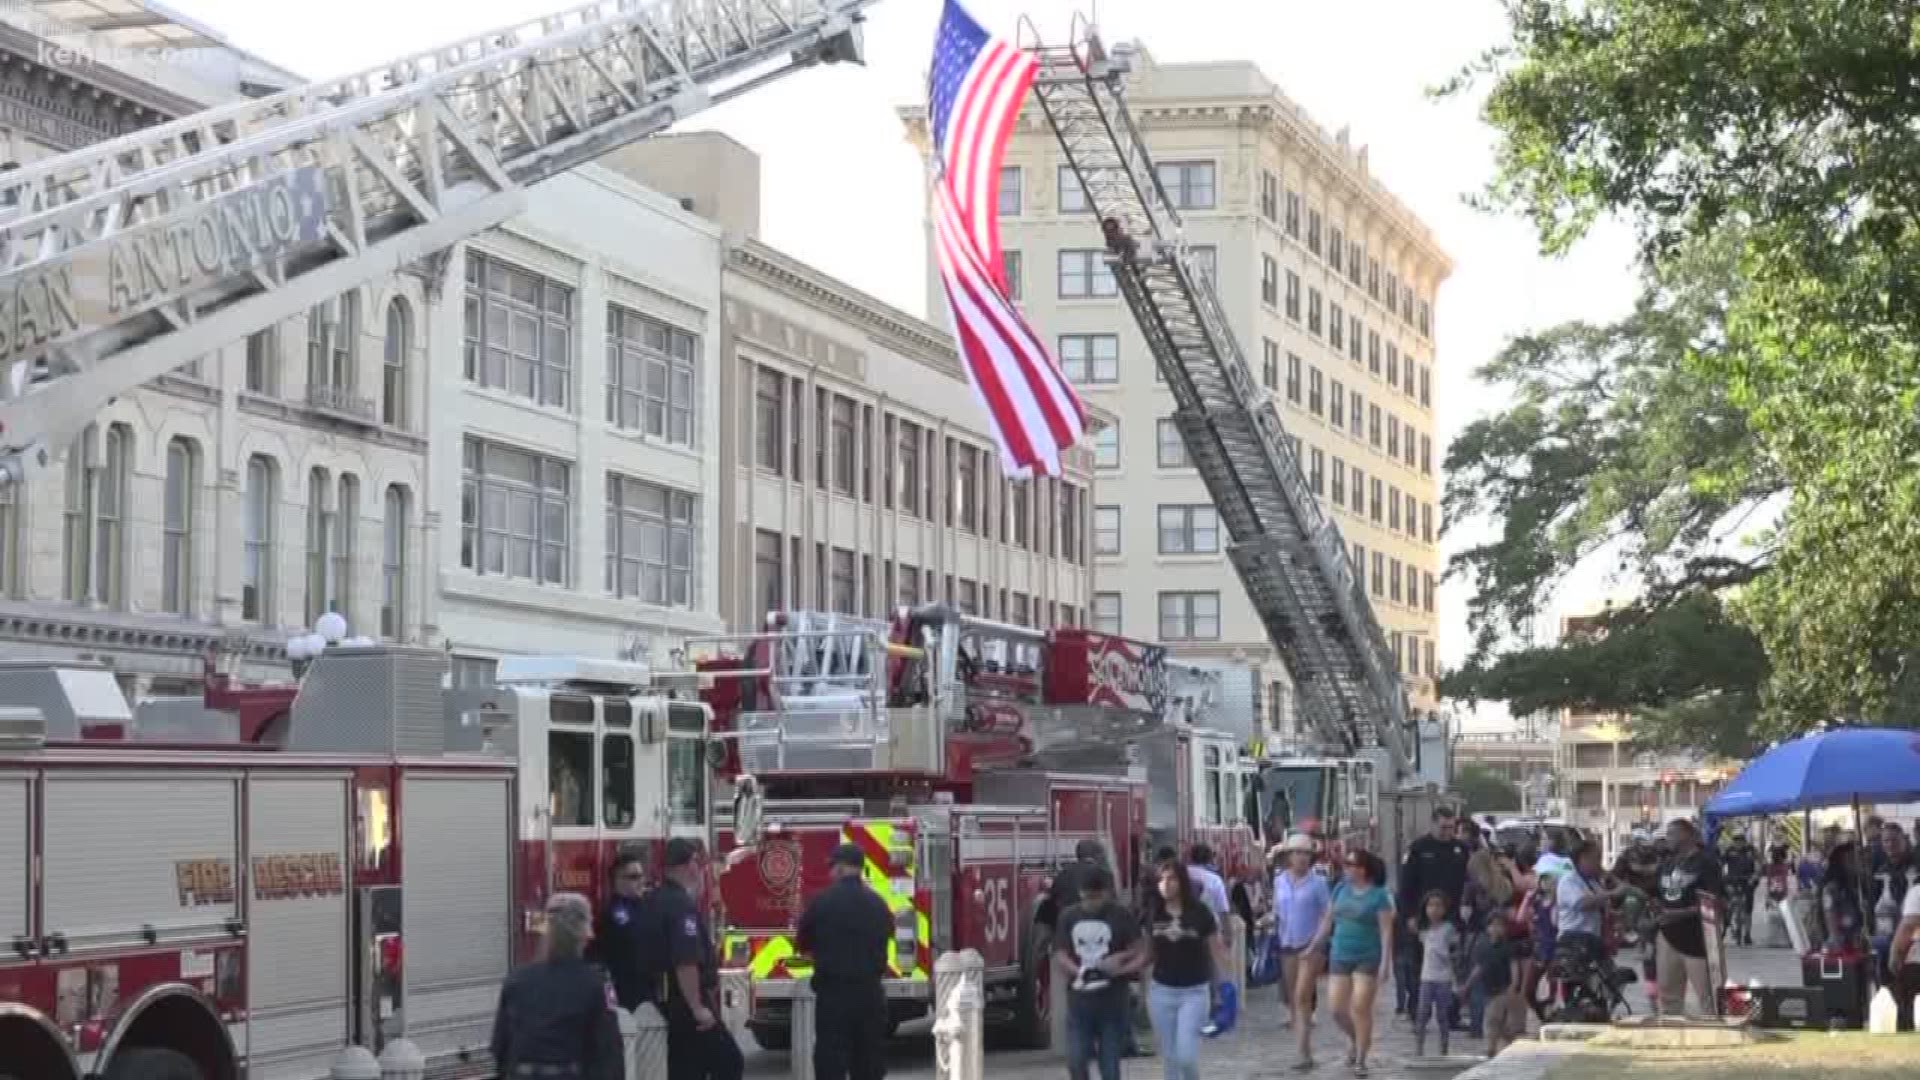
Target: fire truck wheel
{"points": [[151, 1063], [773, 1037], [1032, 1026]]}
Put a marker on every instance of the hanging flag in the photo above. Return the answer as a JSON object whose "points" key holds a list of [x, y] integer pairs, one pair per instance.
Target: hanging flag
{"points": [[973, 98]]}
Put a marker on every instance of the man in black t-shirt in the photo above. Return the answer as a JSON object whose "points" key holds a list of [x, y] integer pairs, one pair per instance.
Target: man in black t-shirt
{"points": [[1689, 877], [1097, 945]]}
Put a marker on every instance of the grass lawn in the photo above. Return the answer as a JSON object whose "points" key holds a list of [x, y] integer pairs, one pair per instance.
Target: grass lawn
{"points": [[1810, 1056]]}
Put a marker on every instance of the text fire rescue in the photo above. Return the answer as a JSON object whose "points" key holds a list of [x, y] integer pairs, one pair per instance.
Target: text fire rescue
{"points": [[109, 280], [204, 882]]}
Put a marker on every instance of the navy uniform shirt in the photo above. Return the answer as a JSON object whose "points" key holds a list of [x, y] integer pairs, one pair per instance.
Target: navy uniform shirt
{"points": [[616, 947], [677, 935], [558, 1012], [846, 929]]}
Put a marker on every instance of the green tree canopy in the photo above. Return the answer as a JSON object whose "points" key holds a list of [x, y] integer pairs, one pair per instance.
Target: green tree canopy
{"points": [[1786, 130], [1485, 791]]}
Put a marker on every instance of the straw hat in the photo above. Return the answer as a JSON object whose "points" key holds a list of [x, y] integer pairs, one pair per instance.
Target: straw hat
{"points": [[1296, 842]]}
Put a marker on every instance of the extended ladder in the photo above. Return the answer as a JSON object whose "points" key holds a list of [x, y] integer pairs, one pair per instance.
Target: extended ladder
{"points": [[1288, 552], [124, 261]]}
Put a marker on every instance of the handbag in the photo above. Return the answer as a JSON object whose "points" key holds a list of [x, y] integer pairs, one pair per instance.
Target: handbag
{"points": [[1263, 960]]}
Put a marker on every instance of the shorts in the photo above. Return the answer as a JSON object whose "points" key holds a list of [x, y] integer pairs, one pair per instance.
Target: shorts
{"points": [[1354, 965], [1505, 1017]]}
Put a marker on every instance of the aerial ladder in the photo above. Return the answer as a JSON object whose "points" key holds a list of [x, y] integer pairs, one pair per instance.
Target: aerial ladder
{"points": [[1287, 550], [126, 260]]}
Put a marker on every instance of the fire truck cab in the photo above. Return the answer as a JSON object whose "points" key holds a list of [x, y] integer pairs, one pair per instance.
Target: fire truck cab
{"points": [[968, 759], [204, 911], [1334, 798]]}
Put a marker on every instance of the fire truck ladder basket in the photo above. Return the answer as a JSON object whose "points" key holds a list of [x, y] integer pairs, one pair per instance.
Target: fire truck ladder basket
{"points": [[128, 259], [1288, 553]]}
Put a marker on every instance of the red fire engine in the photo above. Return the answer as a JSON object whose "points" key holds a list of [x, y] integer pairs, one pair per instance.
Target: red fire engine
{"points": [[967, 759]]}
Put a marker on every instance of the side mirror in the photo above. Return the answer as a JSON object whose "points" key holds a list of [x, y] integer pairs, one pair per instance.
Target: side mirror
{"points": [[748, 805]]}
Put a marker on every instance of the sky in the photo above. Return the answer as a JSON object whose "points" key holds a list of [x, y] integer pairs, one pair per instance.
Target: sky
{"points": [[842, 189]]}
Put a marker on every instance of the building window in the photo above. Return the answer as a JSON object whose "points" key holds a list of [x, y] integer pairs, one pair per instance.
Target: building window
{"points": [[1373, 277], [1354, 411], [963, 465], [263, 362], [840, 583], [1073, 197], [1189, 616], [1426, 522], [1373, 352], [1010, 265], [1359, 490], [1393, 436], [1189, 530], [1010, 191], [1339, 493], [652, 377], [394, 528], [519, 331], [1426, 319], [96, 517], [1428, 604], [516, 511], [1426, 454], [907, 466], [182, 491], [1293, 214], [1317, 470], [1376, 502], [319, 537], [1106, 530], [1090, 358], [1270, 363], [1356, 331], [261, 497], [1269, 196], [1426, 386], [1170, 449], [9, 539], [1269, 281], [1379, 573], [1313, 312], [1336, 327], [1206, 258], [1106, 447], [652, 534], [1293, 296], [1316, 392], [393, 370], [1106, 612], [346, 535], [1393, 508], [770, 420], [1085, 275], [1373, 426], [838, 443], [769, 573], [1336, 246], [1293, 378], [1393, 365], [1394, 592], [1188, 184], [333, 332], [1336, 404], [1313, 231]]}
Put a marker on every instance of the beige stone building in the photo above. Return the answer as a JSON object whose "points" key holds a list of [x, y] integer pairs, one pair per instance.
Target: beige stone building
{"points": [[849, 481], [1329, 283]]}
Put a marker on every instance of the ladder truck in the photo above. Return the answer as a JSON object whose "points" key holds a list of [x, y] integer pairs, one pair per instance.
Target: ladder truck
{"points": [[126, 260], [1287, 551]]}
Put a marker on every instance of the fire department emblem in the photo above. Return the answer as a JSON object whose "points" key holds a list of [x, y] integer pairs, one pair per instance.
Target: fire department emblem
{"points": [[780, 868]]}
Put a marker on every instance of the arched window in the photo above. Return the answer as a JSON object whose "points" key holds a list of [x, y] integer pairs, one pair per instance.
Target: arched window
{"points": [[393, 560], [182, 503], [393, 375], [95, 541], [262, 498], [319, 541], [346, 520]]}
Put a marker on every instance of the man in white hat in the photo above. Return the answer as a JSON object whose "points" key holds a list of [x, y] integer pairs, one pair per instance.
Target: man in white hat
{"points": [[1300, 902]]}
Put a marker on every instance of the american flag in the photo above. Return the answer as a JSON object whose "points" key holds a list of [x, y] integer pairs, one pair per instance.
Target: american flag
{"points": [[973, 98]]}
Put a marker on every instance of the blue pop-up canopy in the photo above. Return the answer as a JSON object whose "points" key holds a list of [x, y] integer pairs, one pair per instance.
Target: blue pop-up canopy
{"points": [[1828, 768]]}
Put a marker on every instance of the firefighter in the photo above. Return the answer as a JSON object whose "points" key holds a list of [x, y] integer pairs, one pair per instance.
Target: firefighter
{"points": [[617, 932], [557, 1017], [682, 973], [846, 929]]}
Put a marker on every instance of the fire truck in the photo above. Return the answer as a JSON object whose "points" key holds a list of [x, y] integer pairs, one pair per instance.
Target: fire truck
{"points": [[968, 759]]}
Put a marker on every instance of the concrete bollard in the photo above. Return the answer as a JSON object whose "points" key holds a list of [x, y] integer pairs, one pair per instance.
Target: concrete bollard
{"points": [[736, 1000], [402, 1060], [804, 1011], [629, 1031], [355, 1063], [647, 1054], [1236, 972], [960, 1016]]}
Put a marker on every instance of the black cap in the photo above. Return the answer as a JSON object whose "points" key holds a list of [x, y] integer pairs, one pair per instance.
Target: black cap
{"points": [[1096, 879], [1090, 851], [849, 855], [681, 852]]}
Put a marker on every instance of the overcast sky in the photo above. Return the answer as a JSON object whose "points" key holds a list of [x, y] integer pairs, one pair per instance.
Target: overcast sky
{"points": [[843, 190]]}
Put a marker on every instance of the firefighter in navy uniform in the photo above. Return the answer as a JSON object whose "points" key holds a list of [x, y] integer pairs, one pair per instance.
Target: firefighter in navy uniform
{"points": [[683, 973], [846, 929], [557, 1018], [617, 932]]}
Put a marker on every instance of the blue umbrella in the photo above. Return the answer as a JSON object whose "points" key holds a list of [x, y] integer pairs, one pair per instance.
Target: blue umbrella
{"points": [[1829, 768]]}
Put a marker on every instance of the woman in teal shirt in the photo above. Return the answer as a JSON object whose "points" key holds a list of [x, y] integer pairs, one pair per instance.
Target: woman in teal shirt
{"points": [[1360, 927]]}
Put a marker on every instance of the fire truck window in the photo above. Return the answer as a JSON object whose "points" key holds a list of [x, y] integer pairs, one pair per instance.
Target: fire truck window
{"points": [[567, 709], [687, 780], [618, 712], [616, 780], [570, 777], [686, 718], [1210, 758]]}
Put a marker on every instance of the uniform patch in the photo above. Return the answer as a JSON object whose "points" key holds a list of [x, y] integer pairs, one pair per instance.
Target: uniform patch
{"points": [[613, 1000], [620, 916], [691, 927]]}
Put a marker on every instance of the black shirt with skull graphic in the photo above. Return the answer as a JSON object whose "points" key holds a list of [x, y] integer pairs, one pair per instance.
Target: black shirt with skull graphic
{"points": [[1683, 878], [1089, 935]]}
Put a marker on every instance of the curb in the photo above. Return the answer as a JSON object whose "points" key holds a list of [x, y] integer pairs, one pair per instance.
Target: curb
{"points": [[1523, 1061]]}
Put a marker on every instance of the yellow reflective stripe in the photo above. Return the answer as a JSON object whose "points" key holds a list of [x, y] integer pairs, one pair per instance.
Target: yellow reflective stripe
{"points": [[897, 892]]}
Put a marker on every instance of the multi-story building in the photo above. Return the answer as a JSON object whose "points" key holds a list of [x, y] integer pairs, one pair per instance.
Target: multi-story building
{"points": [[856, 474], [256, 487], [1327, 280]]}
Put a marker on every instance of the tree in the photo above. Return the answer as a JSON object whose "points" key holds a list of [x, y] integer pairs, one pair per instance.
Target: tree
{"points": [[1789, 123], [1485, 791], [1616, 447]]}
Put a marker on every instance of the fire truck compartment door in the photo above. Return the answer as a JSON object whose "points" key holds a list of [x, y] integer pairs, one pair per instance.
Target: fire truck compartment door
{"points": [[297, 922], [15, 811], [456, 836], [133, 856]]}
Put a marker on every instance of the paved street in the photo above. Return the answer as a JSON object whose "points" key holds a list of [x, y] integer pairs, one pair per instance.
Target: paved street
{"points": [[1259, 1049]]}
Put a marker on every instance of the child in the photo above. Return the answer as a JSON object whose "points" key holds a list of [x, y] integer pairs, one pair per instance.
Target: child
{"points": [[1495, 975], [1439, 940]]}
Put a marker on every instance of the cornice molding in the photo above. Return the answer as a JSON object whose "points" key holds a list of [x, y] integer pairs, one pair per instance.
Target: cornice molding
{"points": [[915, 337], [21, 48]]}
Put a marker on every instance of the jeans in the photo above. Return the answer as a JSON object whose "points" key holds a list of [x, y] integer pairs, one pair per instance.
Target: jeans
{"points": [[1436, 1003], [1179, 1012], [1098, 1027], [1476, 1010], [1406, 980]]}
